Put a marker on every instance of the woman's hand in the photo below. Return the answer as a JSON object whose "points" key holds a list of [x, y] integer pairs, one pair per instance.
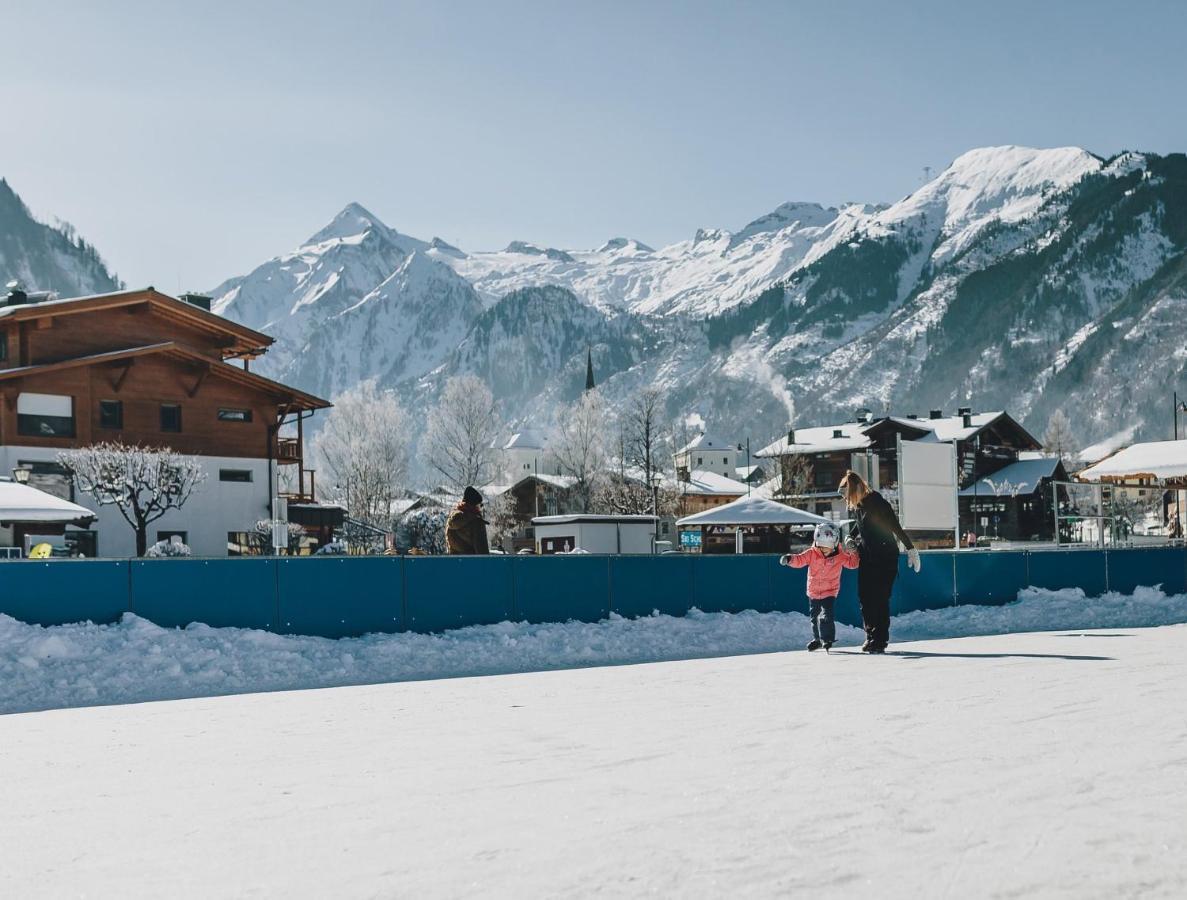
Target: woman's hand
{"points": [[913, 560]]}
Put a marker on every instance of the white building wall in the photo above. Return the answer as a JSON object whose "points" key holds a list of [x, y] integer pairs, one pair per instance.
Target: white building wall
{"points": [[214, 509]]}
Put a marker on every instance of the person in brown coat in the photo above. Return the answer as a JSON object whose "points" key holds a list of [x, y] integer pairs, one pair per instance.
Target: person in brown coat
{"points": [[465, 529]]}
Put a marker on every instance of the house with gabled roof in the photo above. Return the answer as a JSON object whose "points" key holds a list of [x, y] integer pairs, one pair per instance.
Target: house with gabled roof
{"points": [[143, 368], [814, 459]]}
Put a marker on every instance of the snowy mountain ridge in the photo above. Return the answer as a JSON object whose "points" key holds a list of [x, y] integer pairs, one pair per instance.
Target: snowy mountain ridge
{"points": [[993, 285]]}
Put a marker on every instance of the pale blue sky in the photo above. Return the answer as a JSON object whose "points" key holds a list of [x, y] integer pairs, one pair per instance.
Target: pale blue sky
{"points": [[192, 141]]}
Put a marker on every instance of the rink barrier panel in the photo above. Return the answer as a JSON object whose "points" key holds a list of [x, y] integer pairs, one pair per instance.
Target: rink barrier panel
{"points": [[340, 596], [346, 596]]}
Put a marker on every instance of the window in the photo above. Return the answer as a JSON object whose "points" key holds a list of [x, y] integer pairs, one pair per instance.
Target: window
{"points": [[45, 415], [725, 460], [234, 415], [242, 475], [111, 414], [170, 535], [3, 345], [171, 417], [699, 461]]}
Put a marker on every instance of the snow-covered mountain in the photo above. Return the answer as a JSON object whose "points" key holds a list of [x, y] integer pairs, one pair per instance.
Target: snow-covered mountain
{"points": [[1017, 278], [45, 257]]}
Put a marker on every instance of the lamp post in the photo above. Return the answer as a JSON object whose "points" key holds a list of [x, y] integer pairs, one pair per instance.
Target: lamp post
{"points": [[1179, 406], [21, 474], [748, 473]]}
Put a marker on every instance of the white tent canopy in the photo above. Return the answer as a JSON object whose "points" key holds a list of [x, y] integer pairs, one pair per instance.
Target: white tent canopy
{"points": [[752, 511], [1160, 460], [21, 503]]}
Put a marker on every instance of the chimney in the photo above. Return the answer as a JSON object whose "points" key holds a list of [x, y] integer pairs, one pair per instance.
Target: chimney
{"points": [[838, 433], [790, 436], [937, 414], [199, 300], [967, 419], [912, 415], [16, 293], [965, 411]]}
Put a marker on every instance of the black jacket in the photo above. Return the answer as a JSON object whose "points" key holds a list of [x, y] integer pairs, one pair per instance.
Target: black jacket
{"points": [[876, 530]]}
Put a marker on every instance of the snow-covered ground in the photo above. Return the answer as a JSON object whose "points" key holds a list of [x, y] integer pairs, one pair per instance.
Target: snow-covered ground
{"points": [[1039, 764], [135, 660]]}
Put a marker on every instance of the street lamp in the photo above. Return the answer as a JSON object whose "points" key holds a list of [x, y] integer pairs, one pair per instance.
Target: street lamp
{"points": [[21, 474], [747, 464], [1180, 406]]}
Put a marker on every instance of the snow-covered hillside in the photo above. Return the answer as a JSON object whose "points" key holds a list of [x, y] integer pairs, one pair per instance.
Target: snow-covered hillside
{"points": [[1016, 278], [47, 258]]}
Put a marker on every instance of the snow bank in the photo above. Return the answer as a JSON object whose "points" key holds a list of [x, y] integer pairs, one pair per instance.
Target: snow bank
{"points": [[135, 660]]}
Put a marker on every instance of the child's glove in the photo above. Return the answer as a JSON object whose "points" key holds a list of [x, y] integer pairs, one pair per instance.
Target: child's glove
{"points": [[850, 544], [784, 559], [913, 560]]}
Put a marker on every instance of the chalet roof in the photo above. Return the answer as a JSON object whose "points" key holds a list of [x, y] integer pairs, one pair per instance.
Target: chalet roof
{"points": [[821, 439], [1017, 479], [285, 395], [709, 483], [707, 441], [525, 440], [1159, 460], [242, 341], [855, 435]]}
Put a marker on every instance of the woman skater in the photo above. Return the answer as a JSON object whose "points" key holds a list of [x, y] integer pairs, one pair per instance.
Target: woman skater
{"points": [[875, 535]]}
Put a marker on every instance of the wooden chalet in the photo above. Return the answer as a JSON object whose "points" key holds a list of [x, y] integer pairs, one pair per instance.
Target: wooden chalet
{"points": [[144, 368]]}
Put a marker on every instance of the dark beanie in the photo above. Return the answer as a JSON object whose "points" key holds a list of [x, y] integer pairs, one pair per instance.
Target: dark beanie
{"points": [[471, 495]]}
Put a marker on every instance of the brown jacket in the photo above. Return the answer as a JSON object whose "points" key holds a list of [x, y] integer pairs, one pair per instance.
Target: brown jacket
{"points": [[465, 531]]}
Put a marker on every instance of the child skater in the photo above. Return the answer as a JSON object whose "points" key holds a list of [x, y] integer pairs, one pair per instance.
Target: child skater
{"points": [[824, 560]]}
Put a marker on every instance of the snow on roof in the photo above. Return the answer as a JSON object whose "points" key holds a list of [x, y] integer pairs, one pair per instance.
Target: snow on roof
{"points": [[705, 482], [22, 503], [525, 440], [1162, 460], [952, 428], [746, 471], [1018, 478], [752, 511], [820, 439], [707, 442]]}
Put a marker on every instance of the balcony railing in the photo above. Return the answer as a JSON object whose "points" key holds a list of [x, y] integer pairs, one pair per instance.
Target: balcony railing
{"points": [[288, 450]]}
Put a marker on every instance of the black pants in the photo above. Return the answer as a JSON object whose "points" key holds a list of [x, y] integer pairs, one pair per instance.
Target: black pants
{"points": [[875, 580], [824, 627]]}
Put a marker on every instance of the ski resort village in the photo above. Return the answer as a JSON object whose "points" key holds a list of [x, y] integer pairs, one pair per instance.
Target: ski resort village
{"points": [[758, 470]]}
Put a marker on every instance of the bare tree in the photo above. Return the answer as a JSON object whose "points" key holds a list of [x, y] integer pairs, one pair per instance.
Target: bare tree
{"points": [[142, 483], [363, 452], [581, 446], [645, 441], [502, 517], [461, 431], [797, 477], [1058, 437]]}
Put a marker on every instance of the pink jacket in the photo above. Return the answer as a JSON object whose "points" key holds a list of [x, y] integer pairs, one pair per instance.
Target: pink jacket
{"points": [[824, 572]]}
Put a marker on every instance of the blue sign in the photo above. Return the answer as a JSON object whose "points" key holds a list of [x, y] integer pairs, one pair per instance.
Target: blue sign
{"points": [[690, 539]]}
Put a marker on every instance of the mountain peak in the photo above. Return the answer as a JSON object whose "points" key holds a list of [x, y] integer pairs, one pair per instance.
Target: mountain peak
{"points": [[805, 215], [354, 220], [618, 244]]}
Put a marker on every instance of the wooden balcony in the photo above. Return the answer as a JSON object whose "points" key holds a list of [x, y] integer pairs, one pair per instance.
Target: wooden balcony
{"points": [[288, 450]]}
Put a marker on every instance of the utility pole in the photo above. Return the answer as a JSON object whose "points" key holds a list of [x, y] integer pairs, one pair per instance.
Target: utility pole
{"points": [[748, 473]]}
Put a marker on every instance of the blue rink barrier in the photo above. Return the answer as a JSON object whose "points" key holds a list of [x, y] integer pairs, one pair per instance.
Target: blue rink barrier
{"points": [[337, 597]]}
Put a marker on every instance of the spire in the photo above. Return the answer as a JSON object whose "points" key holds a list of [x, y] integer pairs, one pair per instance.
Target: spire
{"points": [[589, 379]]}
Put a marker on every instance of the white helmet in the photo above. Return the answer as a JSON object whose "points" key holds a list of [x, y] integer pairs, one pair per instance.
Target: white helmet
{"points": [[826, 536]]}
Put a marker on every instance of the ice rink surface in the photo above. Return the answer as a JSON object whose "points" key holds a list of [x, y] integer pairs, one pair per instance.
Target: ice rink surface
{"points": [[1042, 764]]}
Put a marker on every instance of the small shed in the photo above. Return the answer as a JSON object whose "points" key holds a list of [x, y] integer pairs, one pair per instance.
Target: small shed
{"points": [[595, 534], [765, 526]]}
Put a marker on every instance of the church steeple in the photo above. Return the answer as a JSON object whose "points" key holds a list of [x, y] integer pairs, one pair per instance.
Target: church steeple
{"points": [[589, 379]]}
